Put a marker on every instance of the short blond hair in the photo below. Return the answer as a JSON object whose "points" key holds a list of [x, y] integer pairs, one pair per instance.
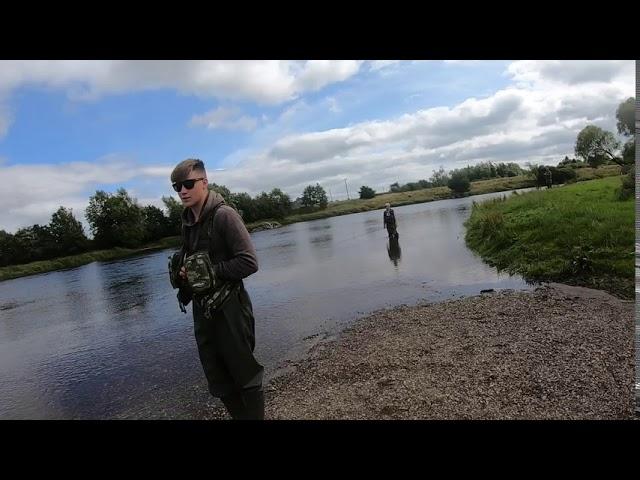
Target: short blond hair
{"points": [[185, 167]]}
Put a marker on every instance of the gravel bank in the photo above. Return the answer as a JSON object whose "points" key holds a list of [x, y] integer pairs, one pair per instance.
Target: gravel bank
{"points": [[558, 352]]}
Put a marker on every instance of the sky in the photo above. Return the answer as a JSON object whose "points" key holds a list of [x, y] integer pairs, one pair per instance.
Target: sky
{"points": [[69, 128]]}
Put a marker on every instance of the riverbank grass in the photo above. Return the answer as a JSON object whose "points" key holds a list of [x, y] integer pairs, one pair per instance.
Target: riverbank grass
{"points": [[579, 234]]}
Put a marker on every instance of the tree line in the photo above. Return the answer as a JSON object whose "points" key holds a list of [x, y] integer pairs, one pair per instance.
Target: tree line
{"points": [[117, 220]]}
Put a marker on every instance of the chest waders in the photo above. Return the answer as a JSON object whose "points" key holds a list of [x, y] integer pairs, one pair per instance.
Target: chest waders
{"points": [[224, 328]]}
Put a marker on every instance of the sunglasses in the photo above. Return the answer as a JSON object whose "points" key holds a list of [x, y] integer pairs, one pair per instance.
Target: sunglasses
{"points": [[188, 184]]}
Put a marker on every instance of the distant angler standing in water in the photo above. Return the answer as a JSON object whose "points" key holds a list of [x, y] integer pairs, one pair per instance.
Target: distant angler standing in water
{"points": [[389, 221]]}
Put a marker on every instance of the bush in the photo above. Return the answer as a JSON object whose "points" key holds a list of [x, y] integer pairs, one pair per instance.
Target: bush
{"points": [[459, 183], [558, 175], [628, 187], [367, 192]]}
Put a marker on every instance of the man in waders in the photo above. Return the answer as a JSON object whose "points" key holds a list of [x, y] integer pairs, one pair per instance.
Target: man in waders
{"points": [[389, 221], [548, 177], [216, 254]]}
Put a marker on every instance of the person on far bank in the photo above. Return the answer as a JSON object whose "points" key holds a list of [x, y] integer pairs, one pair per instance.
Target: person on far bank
{"points": [[389, 221], [216, 255], [548, 177]]}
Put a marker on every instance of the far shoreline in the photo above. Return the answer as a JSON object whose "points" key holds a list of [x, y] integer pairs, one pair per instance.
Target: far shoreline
{"points": [[338, 208]]}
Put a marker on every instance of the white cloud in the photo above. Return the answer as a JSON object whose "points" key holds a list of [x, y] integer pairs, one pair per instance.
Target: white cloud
{"points": [[318, 73], [156, 171], [263, 81], [376, 65], [34, 192], [541, 73], [225, 118], [293, 110]]}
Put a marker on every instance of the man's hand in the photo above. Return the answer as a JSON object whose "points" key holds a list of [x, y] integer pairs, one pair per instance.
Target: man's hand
{"points": [[183, 273]]}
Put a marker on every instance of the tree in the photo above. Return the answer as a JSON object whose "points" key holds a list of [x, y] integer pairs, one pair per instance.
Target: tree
{"points": [[439, 178], [558, 175], [229, 198], [63, 236], [25, 244], [626, 115], [33, 243], [263, 205], [513, 169], [281, 203], [569, 162], [628, 188], [156, 224], [246, 206], [596, 145], [394, 187], [275, 204], [174, 215], [314, 196], [459, 182], [115, 219], [492, 170], [8, 249], [367, 192], [67, 232], [629, 152], [531, 170], [221, 189]]}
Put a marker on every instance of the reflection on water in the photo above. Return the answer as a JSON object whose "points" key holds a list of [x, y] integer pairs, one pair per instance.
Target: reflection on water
{"points": [[107, 340], [393, 249], [320, 225]]}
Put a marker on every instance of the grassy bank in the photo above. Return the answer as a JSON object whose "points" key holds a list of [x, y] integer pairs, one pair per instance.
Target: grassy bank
{"points": [[61, 263], [578, 234]]}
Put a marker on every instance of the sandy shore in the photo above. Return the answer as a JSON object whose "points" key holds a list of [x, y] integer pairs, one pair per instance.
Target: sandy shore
{"points": [[558, 352]]}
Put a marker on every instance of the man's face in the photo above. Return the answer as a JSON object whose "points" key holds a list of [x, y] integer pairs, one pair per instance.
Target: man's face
{"points": [[197, 193]]}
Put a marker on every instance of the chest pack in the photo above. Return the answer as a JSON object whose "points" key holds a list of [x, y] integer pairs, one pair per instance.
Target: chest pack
{"points": [[209, 291]]}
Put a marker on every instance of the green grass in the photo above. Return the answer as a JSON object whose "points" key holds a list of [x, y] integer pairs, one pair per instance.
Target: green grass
{"points": [[588, 173], [501, 184], [61, 263], [578, 234]]}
